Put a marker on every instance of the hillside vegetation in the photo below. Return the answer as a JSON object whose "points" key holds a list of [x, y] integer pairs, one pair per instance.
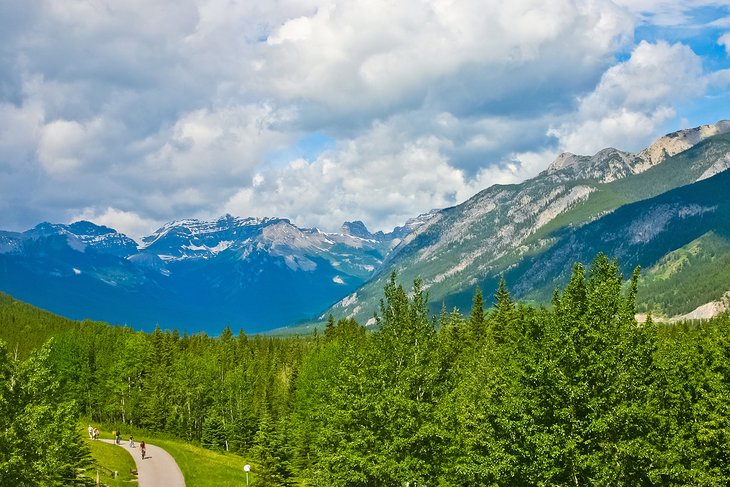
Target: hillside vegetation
{"points": [[542, 225], [520, 395]]}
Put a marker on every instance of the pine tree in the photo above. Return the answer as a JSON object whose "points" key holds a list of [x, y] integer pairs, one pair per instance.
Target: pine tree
{"points": [[268, 450], [503, 319], [214, 433], [477, 323], [330, 327]]}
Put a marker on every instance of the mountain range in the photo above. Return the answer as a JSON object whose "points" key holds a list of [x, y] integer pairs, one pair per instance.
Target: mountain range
{"points": [[255, 273], [506, 229], [664, 208]]}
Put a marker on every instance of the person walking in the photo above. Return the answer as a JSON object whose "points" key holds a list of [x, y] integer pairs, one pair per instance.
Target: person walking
{"points": [[118, 438], [142, 447], [91, 432], [131, 441]]}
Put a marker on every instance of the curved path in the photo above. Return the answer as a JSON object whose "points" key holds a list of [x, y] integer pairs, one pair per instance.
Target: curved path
{"points": [[158, 467]]}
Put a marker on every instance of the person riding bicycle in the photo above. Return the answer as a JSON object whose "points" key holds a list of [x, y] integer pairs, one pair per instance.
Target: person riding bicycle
{"points": [[143, 447]]}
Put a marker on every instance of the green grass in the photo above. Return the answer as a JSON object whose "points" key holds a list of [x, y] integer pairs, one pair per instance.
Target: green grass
{"points": [[200, 467], [205, 468], [108, 459]]}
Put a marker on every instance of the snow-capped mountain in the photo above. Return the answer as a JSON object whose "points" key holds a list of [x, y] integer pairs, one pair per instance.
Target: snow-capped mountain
{"points": [[251, 272], [79, 236], [262, 273], [192, 239]]}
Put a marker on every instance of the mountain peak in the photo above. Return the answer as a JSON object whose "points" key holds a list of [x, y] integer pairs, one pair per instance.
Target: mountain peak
{"points": [[605, 165], [566, 159], [610, 164], [356, 229], [679, 141]]}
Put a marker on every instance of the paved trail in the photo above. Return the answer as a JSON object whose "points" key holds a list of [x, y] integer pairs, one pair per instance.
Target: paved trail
{"points": [[158, 469]]}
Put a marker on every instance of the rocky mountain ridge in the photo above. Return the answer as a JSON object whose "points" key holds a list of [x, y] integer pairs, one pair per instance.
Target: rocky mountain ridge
{"points": [[189, 272], [261, 273], [472, 243]]}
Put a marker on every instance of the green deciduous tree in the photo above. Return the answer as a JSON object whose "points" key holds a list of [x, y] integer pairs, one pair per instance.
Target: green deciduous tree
{"points": [[39, 440]]}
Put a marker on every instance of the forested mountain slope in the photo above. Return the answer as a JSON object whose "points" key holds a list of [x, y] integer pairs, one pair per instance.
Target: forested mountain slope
{"points": [[649, 233], [190, 274], [518, 395], [503, 226]]}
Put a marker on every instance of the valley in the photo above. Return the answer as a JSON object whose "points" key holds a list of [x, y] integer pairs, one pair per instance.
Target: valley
{"points": [[261, 274]]}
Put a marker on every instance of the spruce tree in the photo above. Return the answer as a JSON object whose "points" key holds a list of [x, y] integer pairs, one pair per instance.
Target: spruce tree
{"points": [[477, 321]]}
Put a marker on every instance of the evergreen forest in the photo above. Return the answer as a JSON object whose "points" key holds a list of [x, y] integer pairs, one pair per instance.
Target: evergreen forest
{"points": [[510, 394]]}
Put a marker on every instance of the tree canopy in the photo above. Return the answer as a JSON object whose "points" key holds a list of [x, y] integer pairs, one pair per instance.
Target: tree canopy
{"points": [[575, 394]]}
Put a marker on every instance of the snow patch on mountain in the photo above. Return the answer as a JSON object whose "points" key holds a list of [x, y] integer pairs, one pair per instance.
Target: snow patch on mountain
{"points": [[219, 247]]}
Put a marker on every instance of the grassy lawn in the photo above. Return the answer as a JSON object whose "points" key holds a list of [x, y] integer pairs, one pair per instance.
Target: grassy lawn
{"points": [[109, 459], [200, 467]]}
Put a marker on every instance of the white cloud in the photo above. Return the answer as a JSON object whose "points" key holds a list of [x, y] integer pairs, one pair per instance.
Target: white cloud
{"points": [[371, 58], [216, 144], [377, 176], [19, 133], [126, 222], [633, 99], [153, 110], [668, 12], [65, 145], [724, 41]]}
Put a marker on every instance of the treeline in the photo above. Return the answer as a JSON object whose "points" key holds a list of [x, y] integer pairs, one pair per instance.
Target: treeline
{"points": [[574, 394]]}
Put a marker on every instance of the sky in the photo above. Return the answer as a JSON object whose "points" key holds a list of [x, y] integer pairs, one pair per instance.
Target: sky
{"points": [[133, 113]]}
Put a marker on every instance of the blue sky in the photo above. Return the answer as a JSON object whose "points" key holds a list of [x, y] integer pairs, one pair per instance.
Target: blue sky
{"points": [[137, 112]]}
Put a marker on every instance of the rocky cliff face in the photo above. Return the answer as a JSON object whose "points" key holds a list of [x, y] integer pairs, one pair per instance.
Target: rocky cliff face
{"points": [[266, 272], [676, 142], [472, 243]]}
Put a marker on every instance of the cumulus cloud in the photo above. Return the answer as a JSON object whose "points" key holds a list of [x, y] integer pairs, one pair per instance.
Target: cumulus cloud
{"points": [[351, 61], [126, 222], [633, 99], [377, 177], [139, 112]]}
